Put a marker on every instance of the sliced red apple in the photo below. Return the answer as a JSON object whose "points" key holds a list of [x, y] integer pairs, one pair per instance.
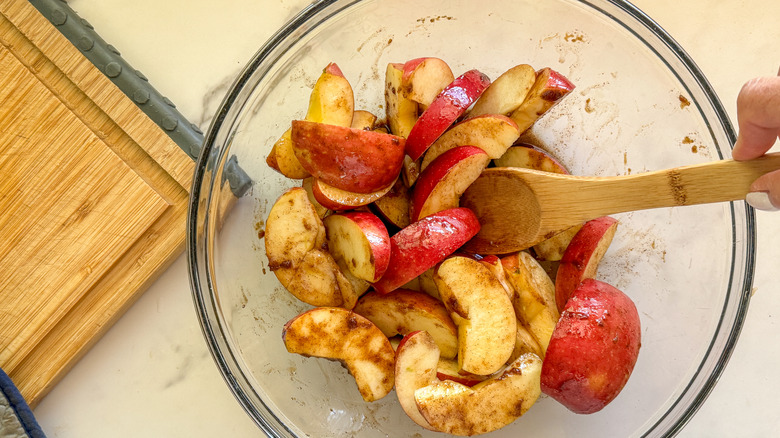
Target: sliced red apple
{"points": [[424, 78], [506, 93], [394, 206], [403, 311], [337, 199], [361, 241], [362, 119], [581, 259], [492, 133], [487, 326], [529, 156], [340, 334], [424, 243], [307, 185], [400, 111], [349, 159], [450, 104], [416, 359], [552, 249], [448, 369], [443, 182], [549, 88]]}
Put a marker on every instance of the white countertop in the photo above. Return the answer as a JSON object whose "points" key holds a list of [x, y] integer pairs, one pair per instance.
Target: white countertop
{"points": [[152, 375]]}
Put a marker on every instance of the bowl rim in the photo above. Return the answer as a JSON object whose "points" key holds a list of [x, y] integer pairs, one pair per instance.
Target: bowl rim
{"points": [[206, 307]]}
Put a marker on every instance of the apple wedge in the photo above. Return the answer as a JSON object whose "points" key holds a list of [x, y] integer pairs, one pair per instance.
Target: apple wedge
{"points": [[361, 241], [307, 184], [363, 120], [424, 78], [534, 299], [581, 259], [492, 133], [349, 159], [487, 326], [402, 311], [416, 361], [506, 93], [339, 334], [553, 248], [457, 409], [424, 243], [331, 102], [529, 156], [337, 199], [393, 207], [549, 88], [450, 104], [594, 348], [443, 182], [448, 369], [400, 111]]}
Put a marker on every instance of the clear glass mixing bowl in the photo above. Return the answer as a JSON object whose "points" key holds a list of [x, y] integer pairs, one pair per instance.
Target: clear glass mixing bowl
{"points": [[640, 104]]}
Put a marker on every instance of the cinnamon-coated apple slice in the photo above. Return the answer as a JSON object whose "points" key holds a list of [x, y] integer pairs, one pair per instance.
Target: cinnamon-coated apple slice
{"points": [[453, 408], [349, 159], [506, 93], [443, 182], [593, 349], [393, 207], [337, 199], [581, 259], [400, 111], [445, 109], [339, 334], [416, 361], [549, 88], [529, 156], [308, 185], [403, 311], [363, 120], [331, 102], [424, 78], [360, 240], [424, 243], [492, 133], [487, 325], [448, 369]]}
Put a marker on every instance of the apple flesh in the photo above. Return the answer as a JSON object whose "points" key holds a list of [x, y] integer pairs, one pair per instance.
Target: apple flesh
{"points": [[361, 241], [549, 88], [529, 156], [393, 207], [337, 199], [457, 409], [450, 104], [444, 181], [403, 311], [424, 78], [448, 369], [506, 93], [424, 243], [594, 348], [492, 133], [363, 120], [400, 111], [339, 334], [349, 159], [581, 259], [487, 326], [416, 360]]}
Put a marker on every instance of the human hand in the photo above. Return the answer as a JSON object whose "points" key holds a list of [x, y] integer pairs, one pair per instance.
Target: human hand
{"points": [[758, 116]]}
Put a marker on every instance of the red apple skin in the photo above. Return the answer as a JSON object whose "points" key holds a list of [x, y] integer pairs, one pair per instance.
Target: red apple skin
{"points": [[593, 349], [450, 104], [409, 67], [424, 243], [349, 159], [376, 234], [581, 258], [333, 69], [436, 171], [549, 89]]}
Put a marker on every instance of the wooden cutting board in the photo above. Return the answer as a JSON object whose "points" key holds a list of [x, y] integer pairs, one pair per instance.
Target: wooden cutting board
{"points": [[93, 198]]}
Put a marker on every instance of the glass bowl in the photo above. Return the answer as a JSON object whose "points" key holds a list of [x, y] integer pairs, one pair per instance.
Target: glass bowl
{"points": [[640, 104]]}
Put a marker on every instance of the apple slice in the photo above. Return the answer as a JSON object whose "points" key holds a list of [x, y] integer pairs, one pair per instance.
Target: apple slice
{"points": [[361, 241], [529, 156], [594, 348], [583, 255], [450, 104], [339, 334], [424, 78], [552, 249], [394, 206], [443, 182], [337, 199], [346, 158], [416, 359], [400, 111], [424, 243], [487, 326], [307, 185], [506, 93], [363, 120], [331, 102], [410, 171], [525, 342], [549, 88], [534, 299], [402, 311], [456, 409], [427, 284], [448, 369], [492, 133]]}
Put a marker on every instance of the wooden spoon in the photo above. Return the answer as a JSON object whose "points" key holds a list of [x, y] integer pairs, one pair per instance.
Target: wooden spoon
{"points": [[519, 208]]}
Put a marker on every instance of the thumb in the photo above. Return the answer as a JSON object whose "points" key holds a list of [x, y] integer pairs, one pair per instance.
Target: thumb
{"points": [[758, 116]]}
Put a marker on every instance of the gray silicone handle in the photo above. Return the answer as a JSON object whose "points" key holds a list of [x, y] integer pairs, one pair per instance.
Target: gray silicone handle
{"points": [[134, 84]]}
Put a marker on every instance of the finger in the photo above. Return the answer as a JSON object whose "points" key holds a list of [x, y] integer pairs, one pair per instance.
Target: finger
{"points": [[769, 185], [758, 116]]}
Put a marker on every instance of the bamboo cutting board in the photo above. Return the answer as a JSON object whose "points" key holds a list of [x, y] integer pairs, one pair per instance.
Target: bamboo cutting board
{"points": [[93, 197]]}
